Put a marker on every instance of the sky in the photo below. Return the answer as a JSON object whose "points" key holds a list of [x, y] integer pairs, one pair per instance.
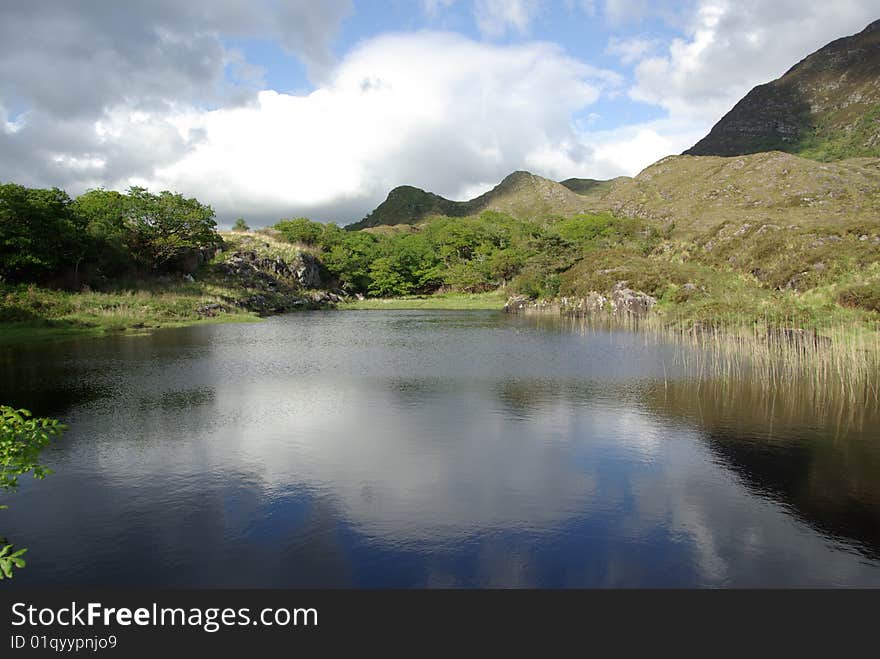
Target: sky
{"points": [[269, 109]]}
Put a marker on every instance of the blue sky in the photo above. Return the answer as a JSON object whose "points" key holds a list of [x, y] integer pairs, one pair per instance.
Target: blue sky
{"points": [[277, 108]]}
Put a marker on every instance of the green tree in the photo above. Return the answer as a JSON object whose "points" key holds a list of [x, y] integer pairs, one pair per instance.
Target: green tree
{"points": [[386, 279], [168, 225], [39, 233], [22, 439], [349, 260], [301, 230], [240, 225], [103, 213]]}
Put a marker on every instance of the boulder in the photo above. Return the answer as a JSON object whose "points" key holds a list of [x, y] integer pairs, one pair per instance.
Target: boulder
{"points": [[629, 302]]}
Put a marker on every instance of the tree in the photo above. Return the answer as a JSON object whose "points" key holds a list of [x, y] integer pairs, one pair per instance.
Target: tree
{"points": [[39, 233], [22, 439], [168, 225], [103, 213], [240, 225], [301, 230], [349, 260]]}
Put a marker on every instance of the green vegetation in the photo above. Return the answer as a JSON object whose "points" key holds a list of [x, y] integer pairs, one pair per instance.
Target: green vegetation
{"points": [[22, 439], [240, 225], [461, 254], [45, 237], [33, 313], [491, 301], [521, 194], [109, 261]]}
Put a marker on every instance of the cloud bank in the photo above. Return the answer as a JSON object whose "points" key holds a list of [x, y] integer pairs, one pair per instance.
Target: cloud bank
{"points": [[155, 93]]}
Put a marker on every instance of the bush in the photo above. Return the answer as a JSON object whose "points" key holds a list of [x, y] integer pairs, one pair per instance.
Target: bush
{"points": [[861, 296], [301, 230]]}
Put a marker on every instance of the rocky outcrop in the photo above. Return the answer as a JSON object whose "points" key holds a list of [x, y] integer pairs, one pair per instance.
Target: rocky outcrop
{"points": [[250, 266], [629, 302], [622, 302], [827, 106], [273, 284]]}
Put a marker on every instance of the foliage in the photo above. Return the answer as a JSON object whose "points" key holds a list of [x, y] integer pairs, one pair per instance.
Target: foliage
{"points": [[240, 225], [39, 233], [467, 254], [22, 439], [862, 296], [45, 237], [167, 225], [10, 558], [301, 230]]}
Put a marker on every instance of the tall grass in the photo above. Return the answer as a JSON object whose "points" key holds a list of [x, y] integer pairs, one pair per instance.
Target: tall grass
{"points": [[837, 363]]}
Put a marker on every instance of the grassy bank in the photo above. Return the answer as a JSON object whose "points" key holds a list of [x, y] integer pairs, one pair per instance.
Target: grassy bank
{"points": [[493, 300], [226, 289], [33, 313]]}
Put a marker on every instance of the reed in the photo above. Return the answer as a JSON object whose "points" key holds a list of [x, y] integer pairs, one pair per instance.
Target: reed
{"points": [[839, 362]]}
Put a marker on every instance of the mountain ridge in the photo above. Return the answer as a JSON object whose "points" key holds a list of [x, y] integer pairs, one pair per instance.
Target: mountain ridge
{"points": [[826, 107], [521, 194]]}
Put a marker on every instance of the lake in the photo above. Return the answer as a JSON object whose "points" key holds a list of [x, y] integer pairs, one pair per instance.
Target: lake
{"points": [[431, 449]]}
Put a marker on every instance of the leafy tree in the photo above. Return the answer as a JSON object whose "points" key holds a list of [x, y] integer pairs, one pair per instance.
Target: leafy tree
{"points": [[22, 439], [103, 213], [240, 225], [386, 279], [349, 260], [39, 234], [168, 225], [301, 230]]}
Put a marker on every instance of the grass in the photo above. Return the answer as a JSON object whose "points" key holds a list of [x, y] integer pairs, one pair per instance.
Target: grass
{"points": [[493, 300], [32, 313], [836, 364]]}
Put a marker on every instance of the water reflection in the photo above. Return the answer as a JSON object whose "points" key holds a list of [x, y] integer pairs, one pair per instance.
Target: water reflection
{"points": [[431, 449]]}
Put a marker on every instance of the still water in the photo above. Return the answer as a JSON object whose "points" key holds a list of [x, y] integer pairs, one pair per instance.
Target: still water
{"points": [[430, 449]]}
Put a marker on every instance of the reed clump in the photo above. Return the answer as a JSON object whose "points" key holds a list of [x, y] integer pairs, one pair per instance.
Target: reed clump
{"points": [[833, 361]]}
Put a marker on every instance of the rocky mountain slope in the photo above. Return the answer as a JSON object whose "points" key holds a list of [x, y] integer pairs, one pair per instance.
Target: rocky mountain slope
{"points": [[696, 193], [521, 194], [826, 107]]}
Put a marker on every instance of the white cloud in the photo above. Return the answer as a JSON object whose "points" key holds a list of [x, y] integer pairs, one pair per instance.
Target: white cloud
{"points": [[631, 49], [730, 47], [429, 109], [496, 17], [433, 7]]}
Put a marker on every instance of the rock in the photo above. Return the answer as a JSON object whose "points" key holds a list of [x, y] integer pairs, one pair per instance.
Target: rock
{"points": [[306, 270], [517, 304], [211, 309], [627, 301]]}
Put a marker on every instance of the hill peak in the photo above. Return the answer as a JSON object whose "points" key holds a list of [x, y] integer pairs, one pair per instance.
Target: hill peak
{"points": [[521, 194], [826, 107]]}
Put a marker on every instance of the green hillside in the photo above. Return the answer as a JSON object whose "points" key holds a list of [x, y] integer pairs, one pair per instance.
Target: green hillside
{"points": [[696, 193], [521, 194]]}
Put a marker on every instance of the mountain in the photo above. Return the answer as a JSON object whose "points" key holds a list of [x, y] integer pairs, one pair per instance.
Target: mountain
{"points": [[826, 107], [775, 188], [521, 194]]}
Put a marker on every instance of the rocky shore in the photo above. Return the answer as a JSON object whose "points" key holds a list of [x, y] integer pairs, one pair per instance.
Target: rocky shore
{"points": [[619, 301]]}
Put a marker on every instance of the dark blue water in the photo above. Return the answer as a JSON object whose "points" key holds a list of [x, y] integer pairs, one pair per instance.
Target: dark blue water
{"points": [[379, 449]]}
